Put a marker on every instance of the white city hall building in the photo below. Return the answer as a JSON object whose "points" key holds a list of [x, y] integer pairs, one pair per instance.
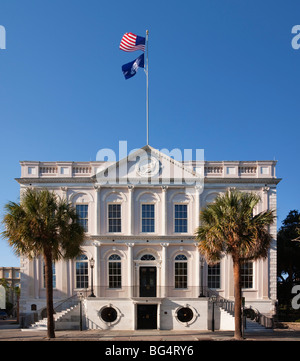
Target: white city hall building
{"points": [[141, 268]]}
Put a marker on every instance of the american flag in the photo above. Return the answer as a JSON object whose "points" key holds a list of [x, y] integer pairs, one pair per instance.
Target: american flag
{"points": [[132, 42]]}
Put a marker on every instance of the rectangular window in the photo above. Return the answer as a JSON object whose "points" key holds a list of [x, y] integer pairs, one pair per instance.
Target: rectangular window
{"points": [[114, 218], [53, 276], [114, 272], [180, 274], [213, 280], [180, 219], [247, 275], [148, 220], [82, 211]]}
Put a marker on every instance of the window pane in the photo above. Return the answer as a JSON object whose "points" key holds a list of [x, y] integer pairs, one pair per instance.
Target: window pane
{"points": [[214, 278], [247, 275], [181, 274], [82, 278], [114, 272], [82, 211], [180, 219], [148, 220], [114, 218]]}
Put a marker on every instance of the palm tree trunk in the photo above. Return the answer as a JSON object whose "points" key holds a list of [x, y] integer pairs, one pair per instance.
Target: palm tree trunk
{"points": [[237, 298], [49, 293]]}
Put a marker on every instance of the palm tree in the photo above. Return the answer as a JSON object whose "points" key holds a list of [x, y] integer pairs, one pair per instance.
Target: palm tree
{"points": [[43, 225], [228, 227]]}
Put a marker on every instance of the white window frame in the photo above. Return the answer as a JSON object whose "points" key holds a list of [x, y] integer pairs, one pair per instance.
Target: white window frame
{"points": [[187, 270], [107, 216], [141, 218], [88, 212], [253, 277], [187, 219], [88, 274], [107, 265]]}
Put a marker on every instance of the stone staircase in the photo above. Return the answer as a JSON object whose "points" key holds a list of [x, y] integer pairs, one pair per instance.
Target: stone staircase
{"points": [[226, 320], [66, 316], [253, 327], [67, 319]]}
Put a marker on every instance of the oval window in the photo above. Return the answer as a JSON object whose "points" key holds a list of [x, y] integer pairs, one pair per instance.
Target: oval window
{"points": [[185, 314], [109, 314]]}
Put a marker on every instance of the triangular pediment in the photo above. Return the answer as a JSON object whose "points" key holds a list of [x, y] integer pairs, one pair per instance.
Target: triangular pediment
{"points": [[148, 165]]}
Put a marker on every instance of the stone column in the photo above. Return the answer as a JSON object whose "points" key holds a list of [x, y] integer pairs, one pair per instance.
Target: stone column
{"points": [[197, 206], [97, 274], [97, 211], [130, 269], [130, 210], [196, 267], [263, 264], [164, 270], [164, 210]]}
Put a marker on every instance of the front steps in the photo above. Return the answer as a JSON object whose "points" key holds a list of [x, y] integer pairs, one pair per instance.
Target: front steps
{"points": [[65, 320]]}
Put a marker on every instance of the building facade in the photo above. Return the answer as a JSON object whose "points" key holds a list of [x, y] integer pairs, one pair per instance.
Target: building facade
{"points": [[146, 270], [11, 276]]}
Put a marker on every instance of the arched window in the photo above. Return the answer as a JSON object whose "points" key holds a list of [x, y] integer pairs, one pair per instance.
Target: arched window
{"points": [[181, 271], [147, 257], [114, 271], [82, 272]]}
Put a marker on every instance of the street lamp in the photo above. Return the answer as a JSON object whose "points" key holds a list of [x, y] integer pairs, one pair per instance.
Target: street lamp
{"points": [[213, 299], [92, 263], [202, 276], [80, 296]]}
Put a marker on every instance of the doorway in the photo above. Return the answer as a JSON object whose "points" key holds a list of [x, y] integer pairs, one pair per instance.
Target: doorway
{"points": [[147, 281], [146, 317]]}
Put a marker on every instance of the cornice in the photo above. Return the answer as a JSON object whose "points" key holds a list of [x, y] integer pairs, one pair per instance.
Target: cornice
{"points": [[143, 238], [92, 180], [243, 180]]}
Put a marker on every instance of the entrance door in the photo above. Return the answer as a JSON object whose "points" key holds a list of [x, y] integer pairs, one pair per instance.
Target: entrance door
{"points": [[147, 281], [146, 317]]}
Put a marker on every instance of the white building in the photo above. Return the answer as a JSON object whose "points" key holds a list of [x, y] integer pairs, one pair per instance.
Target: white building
{"points": [[147, 270]]}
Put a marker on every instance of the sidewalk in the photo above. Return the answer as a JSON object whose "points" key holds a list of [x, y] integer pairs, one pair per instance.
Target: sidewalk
{"points": [[12, 332]]}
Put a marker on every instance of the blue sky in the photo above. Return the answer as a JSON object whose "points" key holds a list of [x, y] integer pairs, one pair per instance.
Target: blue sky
{"points": [[223, 77]]}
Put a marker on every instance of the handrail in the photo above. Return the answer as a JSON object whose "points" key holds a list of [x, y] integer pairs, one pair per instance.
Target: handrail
{"points": [[224, 303], [73, 298], [26, 320]]}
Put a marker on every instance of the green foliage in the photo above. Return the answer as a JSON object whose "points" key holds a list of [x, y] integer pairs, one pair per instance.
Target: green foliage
{"points": [[288, 249], [42, 221], [229, 227]]}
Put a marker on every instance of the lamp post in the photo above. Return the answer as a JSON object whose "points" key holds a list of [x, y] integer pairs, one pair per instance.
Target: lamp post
{"points": [[202, 278], [80, 296], [213, 300], [92, 263]]}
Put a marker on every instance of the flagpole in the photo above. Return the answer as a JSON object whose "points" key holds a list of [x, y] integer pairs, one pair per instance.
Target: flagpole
{"points": [[147, 86]]}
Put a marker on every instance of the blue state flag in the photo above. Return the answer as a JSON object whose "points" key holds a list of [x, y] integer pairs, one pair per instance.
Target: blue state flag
{"points": [[130, 69]]}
